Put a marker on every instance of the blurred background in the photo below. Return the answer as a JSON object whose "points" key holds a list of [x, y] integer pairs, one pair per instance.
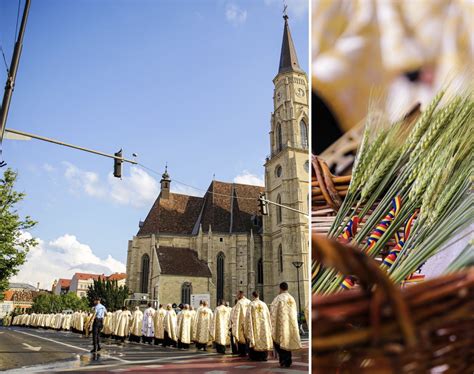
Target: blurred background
{"points": [[405, 49]]}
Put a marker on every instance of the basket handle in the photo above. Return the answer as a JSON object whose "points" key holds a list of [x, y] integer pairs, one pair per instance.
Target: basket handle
{"points": [[349, 260], [324, 178]]}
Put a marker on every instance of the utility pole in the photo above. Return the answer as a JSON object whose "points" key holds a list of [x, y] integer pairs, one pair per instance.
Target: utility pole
{"points": [[10, 84]]}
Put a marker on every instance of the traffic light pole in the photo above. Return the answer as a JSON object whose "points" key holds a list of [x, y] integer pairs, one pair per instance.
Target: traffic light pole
{"points": [[262, 199], [10, 84], [49, 140]]}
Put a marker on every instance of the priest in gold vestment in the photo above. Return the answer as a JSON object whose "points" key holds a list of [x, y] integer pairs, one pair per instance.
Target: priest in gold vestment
{"points": [[136, 325], [122, 329], [285, 331], [158, 320], [169, 326], [202, 326], [258, 329], [185, 322], [220, 327], [238, 323], [108, 326]]}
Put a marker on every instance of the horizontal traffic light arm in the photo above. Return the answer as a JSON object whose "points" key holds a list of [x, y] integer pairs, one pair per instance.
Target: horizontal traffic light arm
{"points": [[28, 135], [283, 206]]}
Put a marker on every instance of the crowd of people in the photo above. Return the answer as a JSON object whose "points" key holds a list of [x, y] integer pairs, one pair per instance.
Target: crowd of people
{"points": [[250, 328]]}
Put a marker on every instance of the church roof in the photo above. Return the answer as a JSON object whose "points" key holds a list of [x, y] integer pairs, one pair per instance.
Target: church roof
{"points": [[226, 207], [181, 261], [177, 215], [288, 57]]}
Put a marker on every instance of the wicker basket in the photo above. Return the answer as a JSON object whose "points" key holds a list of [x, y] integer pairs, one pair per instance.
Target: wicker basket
{"points": [[378, 328], [327, 193]]}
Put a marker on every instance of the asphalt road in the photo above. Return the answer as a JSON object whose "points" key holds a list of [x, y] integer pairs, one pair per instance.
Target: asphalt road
{"points": [[26, 350]]}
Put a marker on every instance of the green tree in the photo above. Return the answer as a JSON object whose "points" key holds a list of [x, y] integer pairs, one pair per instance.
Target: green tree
{"points": [[111, 294], [13, 245], [49, 303]]}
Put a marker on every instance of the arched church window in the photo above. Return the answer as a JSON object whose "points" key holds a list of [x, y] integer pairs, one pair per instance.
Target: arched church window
{"points": [[260, 271], [220, 275], [304, 134], [278, 171], [145, 273], [279, 138], [280, 258], [278, 209], [186, 291]]}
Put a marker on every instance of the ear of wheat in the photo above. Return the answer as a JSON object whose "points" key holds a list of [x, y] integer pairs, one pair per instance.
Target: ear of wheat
{"points": [[429, 168]]}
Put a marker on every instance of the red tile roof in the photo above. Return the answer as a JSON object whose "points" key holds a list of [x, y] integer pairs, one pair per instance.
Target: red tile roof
{"points": [[8, 295], [181, 261], [64, 283], [226, 207], [117, 276], [86, 276]]}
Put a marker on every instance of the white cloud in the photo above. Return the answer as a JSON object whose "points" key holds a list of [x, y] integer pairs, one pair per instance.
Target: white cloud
{"points": [[139, 189], [48, 168], [296, 8], [61, 258], [235, 15], [247, 177]]}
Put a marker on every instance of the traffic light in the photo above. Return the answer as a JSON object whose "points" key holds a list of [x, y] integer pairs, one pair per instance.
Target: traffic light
{"points": [[118, 164], [263, 204]]}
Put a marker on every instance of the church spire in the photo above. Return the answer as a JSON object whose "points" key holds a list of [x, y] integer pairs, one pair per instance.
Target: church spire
{"points": [[288, 58], [165, 184]]}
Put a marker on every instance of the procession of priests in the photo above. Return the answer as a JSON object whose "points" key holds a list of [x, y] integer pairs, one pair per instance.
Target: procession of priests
{"points": [[250, 328]]}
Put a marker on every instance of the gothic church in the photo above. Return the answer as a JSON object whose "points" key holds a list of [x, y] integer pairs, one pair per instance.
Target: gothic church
{"points": [[219, 243]]}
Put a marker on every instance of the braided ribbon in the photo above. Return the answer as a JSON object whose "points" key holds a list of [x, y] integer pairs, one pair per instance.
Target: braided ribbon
{"points": [[413, 278], [400, 242], [350, 230], [376, 234], [385, 223]]}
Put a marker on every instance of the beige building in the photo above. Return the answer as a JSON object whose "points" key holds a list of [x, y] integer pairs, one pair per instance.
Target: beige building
{"points": [[219, 244], [81, 282]]}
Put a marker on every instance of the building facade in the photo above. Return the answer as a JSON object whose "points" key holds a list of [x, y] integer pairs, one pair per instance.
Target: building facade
{"points": [[219, 243], [80, 283]]}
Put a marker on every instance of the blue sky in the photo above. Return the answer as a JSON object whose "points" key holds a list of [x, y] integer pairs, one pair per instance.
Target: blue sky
{"points": [[183, 82]]}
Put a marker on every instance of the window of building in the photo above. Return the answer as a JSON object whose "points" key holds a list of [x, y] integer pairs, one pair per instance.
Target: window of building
{"points": [[304, 134], [278, 209], [186, 291], [220, 276], [278, 171], [260, 271], [280, 258], [279, 138], [145, 273]]}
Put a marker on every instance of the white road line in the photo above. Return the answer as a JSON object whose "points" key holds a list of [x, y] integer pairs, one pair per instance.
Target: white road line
{"points": [[32, 348], [133, 363], [68, 345]]}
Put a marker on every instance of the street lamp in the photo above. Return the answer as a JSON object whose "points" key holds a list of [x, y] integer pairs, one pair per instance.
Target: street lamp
{"points": [[297, 265]]}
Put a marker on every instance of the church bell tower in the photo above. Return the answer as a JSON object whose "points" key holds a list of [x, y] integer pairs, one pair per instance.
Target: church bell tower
{"points": [[286, 233]]}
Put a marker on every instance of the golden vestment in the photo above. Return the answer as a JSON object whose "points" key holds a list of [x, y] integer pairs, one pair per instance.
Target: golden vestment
{"points": [[284, 320], [203, 325], [258, 327], [221, 325]]}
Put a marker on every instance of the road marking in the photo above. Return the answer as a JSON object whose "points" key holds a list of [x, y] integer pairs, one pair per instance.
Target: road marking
{"points": [[68, 345], [165, 359], [31, 348]]}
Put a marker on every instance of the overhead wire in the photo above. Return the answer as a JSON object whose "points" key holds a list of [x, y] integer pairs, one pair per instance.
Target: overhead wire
{"points": [[4, 60], [197, 188]]}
